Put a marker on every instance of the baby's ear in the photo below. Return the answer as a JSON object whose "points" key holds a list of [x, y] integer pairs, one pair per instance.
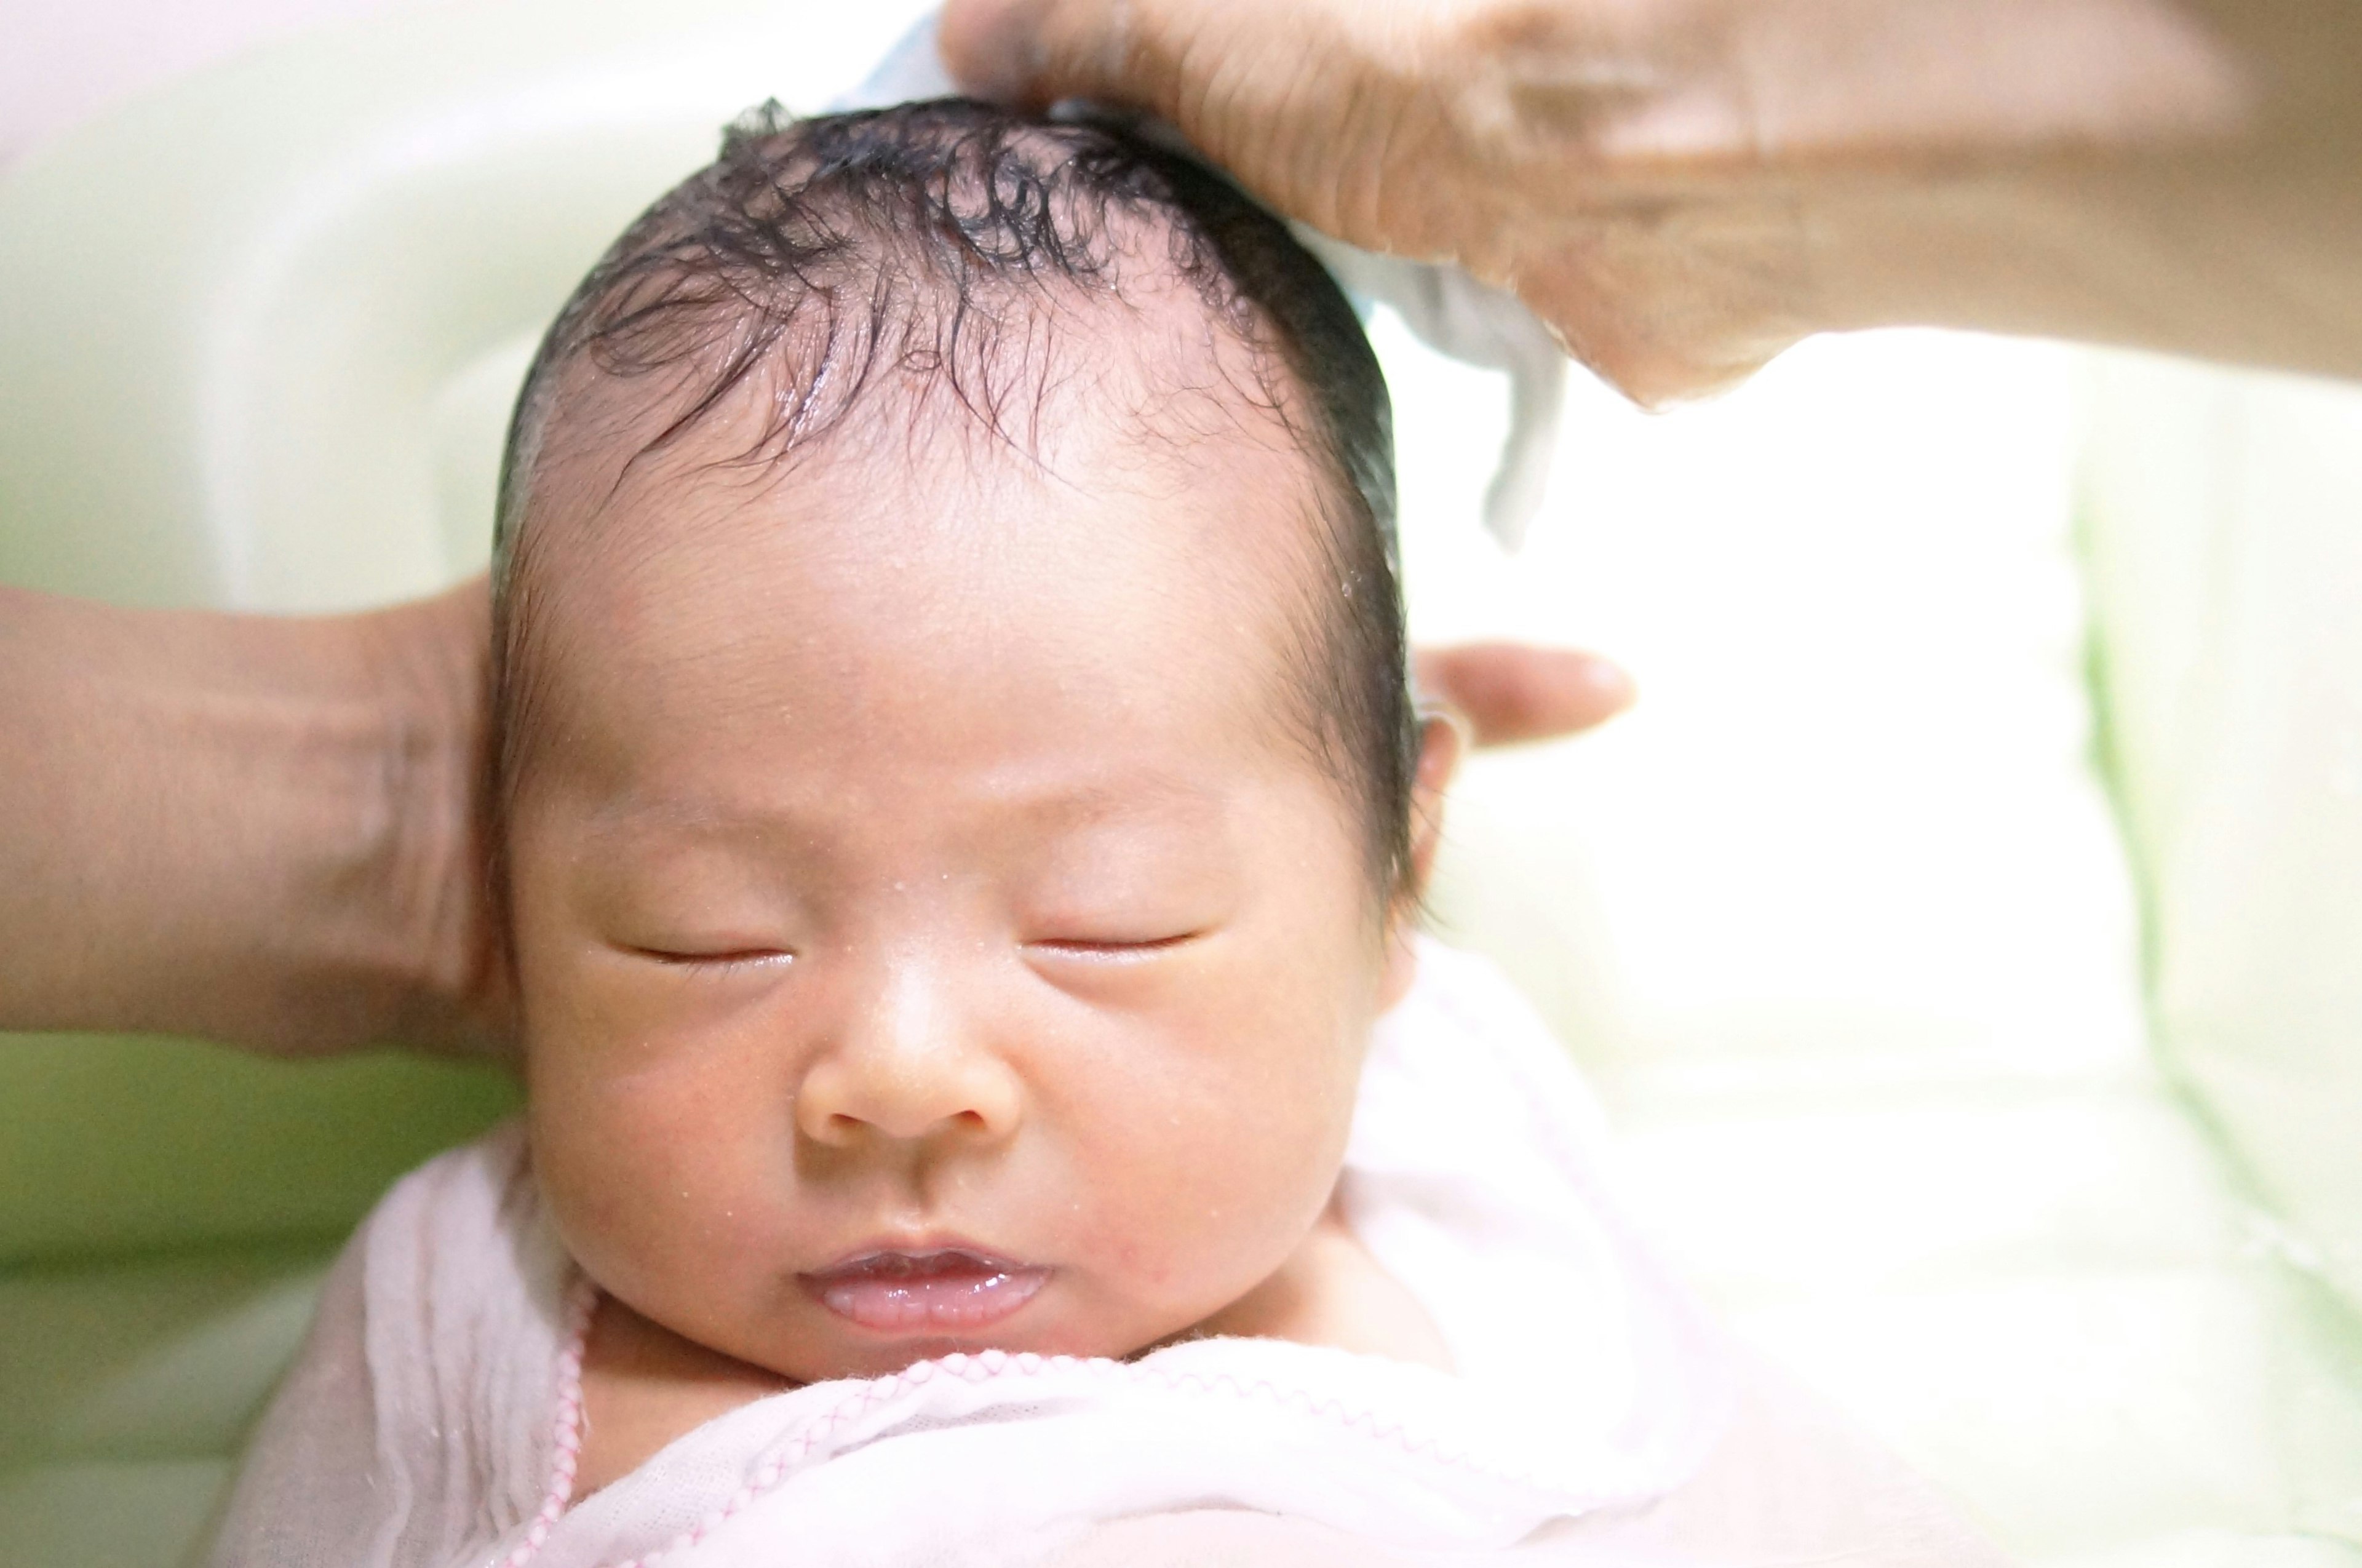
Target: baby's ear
{"points": [[1441, 740]]}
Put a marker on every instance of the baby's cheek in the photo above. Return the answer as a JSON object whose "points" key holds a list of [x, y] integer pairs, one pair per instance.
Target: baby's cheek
{"points": [[1206, 1174], [655, 1176]]}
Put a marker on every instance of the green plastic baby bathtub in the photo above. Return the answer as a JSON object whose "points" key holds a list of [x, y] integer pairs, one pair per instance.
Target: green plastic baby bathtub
{"points": [[1964, 932]]}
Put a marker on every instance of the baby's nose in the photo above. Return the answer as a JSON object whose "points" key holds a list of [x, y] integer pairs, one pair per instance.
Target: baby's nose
{"points": [[907, 1065]]}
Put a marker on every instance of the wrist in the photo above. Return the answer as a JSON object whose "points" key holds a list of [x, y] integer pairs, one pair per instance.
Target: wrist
{"points": [[429, 666], [251, 828]]}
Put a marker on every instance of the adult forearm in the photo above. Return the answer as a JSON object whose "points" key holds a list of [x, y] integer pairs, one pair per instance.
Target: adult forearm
{"points": [[257, 830], [2185, 177]]}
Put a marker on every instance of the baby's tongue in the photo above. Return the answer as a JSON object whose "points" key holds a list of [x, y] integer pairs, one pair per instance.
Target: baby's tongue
{"points": [[939, 1292]]}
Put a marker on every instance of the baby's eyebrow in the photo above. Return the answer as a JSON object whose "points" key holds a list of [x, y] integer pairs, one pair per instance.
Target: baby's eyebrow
{"points": [[1159, 796]]}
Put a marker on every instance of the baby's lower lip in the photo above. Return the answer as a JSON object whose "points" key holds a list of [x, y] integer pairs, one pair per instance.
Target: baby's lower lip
{"points": [[945, 1291]]}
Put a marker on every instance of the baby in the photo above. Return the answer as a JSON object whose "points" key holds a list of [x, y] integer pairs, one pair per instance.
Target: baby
{"points": [[958, 778], [962, 814]]}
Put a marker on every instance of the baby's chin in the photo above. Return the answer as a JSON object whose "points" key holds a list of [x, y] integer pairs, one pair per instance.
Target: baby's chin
{"points": [[817, 1363]]}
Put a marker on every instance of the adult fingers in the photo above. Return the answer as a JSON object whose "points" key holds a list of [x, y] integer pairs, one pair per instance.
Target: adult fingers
{"points": [[1032, 52], [1514, 692]]}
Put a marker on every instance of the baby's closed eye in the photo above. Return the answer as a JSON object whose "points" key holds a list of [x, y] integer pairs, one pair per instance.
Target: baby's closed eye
{"points": [[1126, 896], [722, 952], [1090, 943]]}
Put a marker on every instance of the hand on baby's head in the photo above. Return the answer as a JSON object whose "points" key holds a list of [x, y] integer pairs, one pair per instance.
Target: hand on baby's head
{"points": [[956, 771]]}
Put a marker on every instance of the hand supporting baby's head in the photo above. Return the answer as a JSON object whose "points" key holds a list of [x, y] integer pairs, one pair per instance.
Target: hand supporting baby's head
{"points": [[957, 779]]}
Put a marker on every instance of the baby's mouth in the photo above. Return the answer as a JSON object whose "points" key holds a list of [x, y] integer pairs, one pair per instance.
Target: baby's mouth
{"points": [[944, 1289]]}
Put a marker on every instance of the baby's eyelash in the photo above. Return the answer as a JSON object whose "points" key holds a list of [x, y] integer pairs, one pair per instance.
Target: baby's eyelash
{"points": [[737, 959], [1094, 947]]}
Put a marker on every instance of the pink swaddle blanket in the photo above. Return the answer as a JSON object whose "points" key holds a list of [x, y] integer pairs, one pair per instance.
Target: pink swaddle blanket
{"points": [[428, 1423]]}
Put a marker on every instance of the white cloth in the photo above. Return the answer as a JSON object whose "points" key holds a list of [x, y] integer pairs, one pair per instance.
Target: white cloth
{"points": [[419, 1427], [1449, 310]]}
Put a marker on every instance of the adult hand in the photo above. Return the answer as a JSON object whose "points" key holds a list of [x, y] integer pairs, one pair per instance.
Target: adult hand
{"points": [[271, 831], [1684, 187]]}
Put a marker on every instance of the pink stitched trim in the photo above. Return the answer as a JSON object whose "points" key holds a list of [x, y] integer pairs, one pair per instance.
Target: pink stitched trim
{"points": [[985, 1366], [566, 1435]]}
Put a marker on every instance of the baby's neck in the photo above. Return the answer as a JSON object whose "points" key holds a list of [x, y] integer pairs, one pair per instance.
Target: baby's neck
{"points": [[1330, 1291], [643, 1385]]}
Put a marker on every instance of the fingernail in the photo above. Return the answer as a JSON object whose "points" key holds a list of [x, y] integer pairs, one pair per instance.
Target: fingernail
{"points": [[1613, 682]]}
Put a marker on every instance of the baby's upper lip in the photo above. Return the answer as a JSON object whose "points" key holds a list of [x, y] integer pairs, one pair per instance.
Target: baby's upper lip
{"points": [[905, 1257]]}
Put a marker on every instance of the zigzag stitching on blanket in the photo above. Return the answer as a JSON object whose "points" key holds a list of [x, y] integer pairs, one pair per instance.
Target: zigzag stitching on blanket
{"points": [[566, 1437], [982, 1367]]}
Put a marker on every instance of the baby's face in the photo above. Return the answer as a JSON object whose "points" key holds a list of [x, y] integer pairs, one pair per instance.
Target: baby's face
{"points": [[931, 932]]}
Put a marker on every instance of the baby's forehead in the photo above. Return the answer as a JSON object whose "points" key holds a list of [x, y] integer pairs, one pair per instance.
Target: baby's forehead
{"points": [[1144, 435], [1006, 612]]}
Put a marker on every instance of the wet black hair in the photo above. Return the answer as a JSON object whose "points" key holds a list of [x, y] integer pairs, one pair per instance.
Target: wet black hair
{"points": [[835, 261]]}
